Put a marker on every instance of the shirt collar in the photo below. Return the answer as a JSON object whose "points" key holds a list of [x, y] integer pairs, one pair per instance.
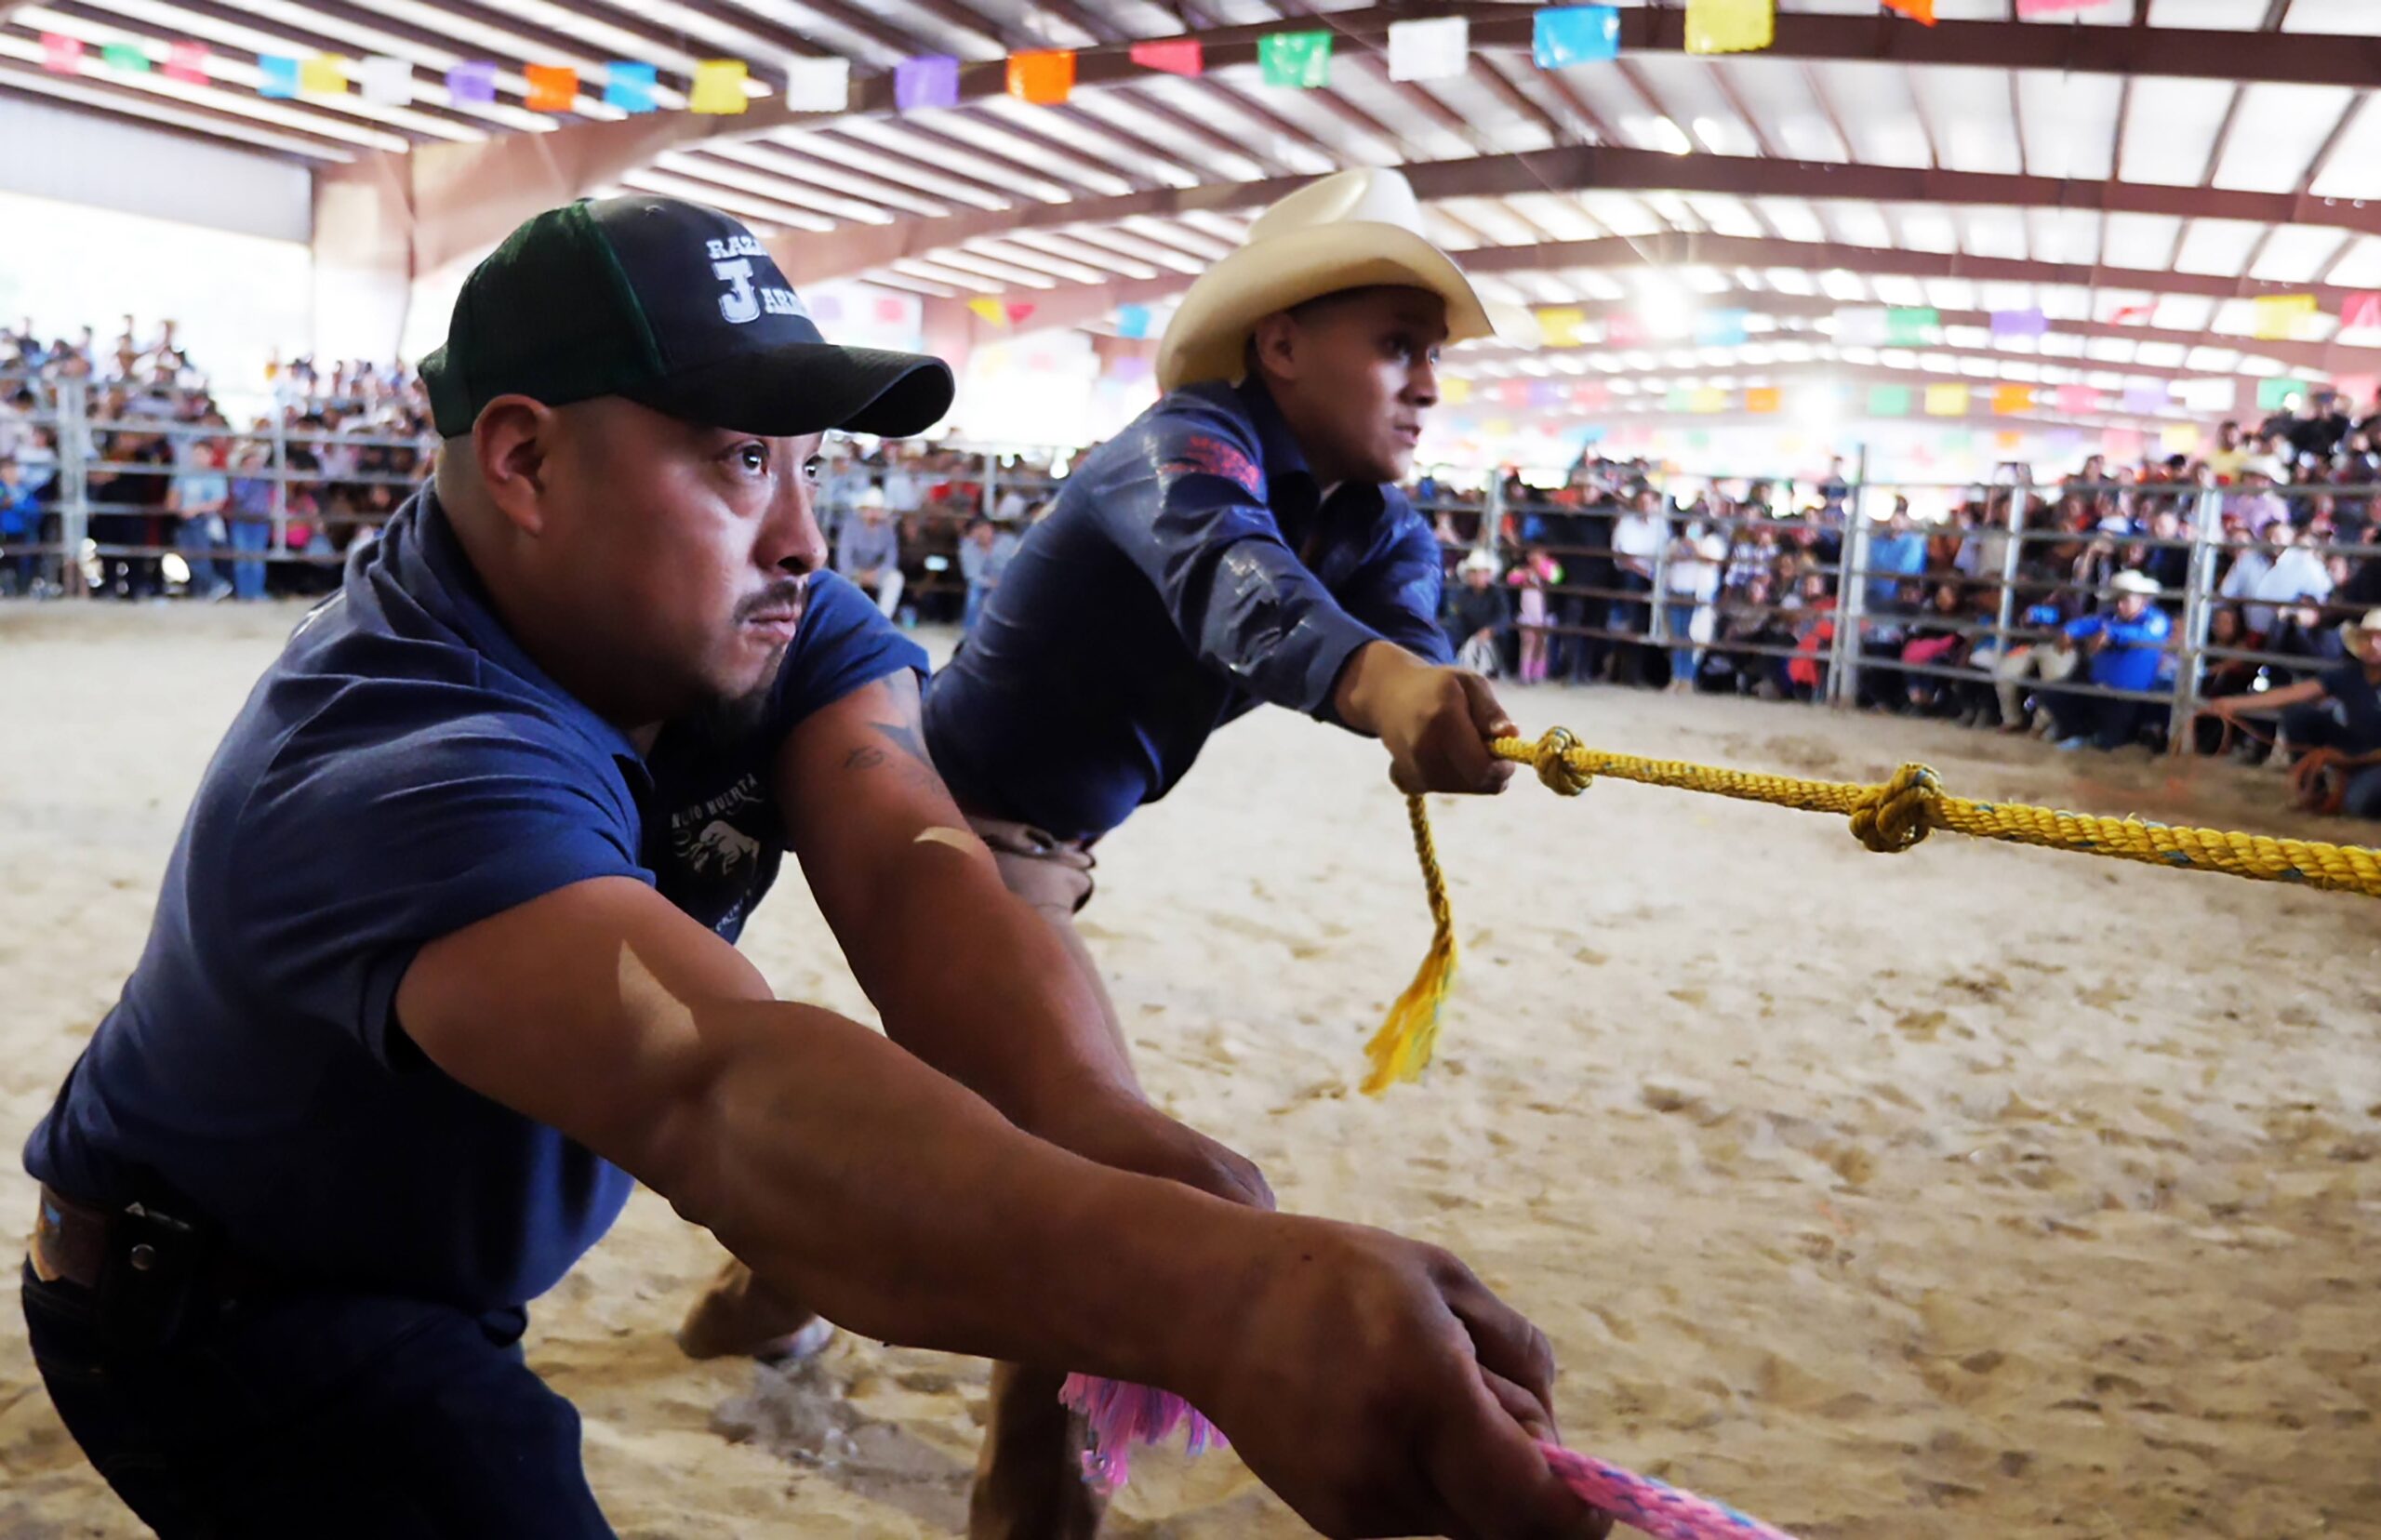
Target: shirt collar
{"points": [[1284, 461], [436, 570]]}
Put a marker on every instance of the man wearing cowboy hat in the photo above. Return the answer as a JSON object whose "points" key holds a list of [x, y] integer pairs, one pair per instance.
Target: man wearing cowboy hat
{"points": [[2127, 651], [1242, 542], [2339, 710]]}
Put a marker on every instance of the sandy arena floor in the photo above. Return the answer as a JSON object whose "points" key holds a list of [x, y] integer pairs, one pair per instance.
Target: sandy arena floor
{"points": [[1976, 1192]]}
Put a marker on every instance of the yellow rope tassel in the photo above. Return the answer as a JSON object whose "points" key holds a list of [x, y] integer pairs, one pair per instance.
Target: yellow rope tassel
{"points": [[1403, 1045], [1887, 818]]}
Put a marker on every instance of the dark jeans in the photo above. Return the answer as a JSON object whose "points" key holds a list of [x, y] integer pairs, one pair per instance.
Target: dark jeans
{"points": [[2110, 723], [1637, 619], [1579, 658], [316, 1414], [2314, 726]]}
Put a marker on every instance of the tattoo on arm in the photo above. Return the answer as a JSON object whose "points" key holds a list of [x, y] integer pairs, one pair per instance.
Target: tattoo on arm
{"points": [[904, 750]]}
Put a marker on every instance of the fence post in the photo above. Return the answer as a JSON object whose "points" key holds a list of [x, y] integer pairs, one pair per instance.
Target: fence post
{"points": [[991, 482], [1844, 671], [1492, 518], [75, 448], [280, 480], [2199, 605]]}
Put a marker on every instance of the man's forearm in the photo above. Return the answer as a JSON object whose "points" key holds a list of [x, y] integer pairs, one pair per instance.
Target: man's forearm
{"points": [[981, 987], [850, 1175]]}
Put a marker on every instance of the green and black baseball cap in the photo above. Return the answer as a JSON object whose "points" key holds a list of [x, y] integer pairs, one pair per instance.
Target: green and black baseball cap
{"points": [[676, 307]]}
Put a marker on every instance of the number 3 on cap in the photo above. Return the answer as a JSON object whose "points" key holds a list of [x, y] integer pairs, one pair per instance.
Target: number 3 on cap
{"points": [[739, 304]]}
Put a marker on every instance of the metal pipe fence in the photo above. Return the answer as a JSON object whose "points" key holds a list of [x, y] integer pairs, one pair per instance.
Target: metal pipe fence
{"points": [[1971, 616]]}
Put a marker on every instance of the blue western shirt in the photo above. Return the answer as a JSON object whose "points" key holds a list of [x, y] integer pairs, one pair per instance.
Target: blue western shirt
{"points": [[402, 771], [1190, 568], [2136, 649]]}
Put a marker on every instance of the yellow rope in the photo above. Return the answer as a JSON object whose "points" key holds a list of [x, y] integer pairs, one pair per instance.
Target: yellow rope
{"points": [[1888, 818]]}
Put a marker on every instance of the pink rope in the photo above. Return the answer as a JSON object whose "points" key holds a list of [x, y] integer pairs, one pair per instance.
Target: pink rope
{"points": [[1117, 1415]]}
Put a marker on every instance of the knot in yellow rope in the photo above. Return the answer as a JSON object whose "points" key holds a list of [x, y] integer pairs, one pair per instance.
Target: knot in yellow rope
{"points": [[1891, 817], [1551, 759]]}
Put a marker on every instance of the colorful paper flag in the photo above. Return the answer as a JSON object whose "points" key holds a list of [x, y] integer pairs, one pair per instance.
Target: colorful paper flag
{"points": [[323, 74], [2356, 389], [1889, 401], [1624, 331], [892, 310], [1298, 60], [2361, 312], [628, 86], [1946, 401], [2275, 317], [1133, 321], [61, 54], [2078, 398], [1513, 392], [1862, 327], [1912, 326], [2122, 444], [1558, 326], [2131, 315], [718, 88], [931, 81], [2019, 323], [186, 61], [2179, 438], [552, 87], [2273, 395], [472, 81], [1921, 11], [1764, 400], [1568, 36], [385, 80], [1017, 313], [986, 308], [1453, 391], [2145, 399], [1709, 399], [125, 58], [1721, 328], [1730, 26], [1177, 55], [818, 84], [1544, 396], [2008, 441], [276, 75], [1044, 77], [2012, 400], [1591, 395], [2052, 8], [1434, 49]]}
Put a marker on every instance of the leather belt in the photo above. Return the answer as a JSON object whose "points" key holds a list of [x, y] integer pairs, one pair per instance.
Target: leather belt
{"points": [[70, 1240]]}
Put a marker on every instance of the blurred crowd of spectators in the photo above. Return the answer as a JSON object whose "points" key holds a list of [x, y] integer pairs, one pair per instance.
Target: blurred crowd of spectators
{"points": [[2044, 605], [315, 463]]}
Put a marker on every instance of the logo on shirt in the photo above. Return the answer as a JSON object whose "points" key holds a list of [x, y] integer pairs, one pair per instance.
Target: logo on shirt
{"points": [[731, 263], [706, 841], [1202, 455]]}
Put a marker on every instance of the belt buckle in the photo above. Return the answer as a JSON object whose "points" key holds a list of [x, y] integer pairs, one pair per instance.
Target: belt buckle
{"points": [[48, 1223]]}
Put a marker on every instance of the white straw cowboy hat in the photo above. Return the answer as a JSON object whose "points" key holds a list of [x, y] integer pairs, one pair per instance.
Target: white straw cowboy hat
{"points": [[1353, 230], [2134, 582], [2353, 632]]}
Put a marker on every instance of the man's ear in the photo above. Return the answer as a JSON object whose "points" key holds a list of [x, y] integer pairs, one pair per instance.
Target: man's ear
{"points": [[512, 443], [1273, 345]]}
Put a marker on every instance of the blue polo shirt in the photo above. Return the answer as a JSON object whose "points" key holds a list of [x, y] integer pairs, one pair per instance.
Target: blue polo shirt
{"points": [[1190, 568], [402, 771]]}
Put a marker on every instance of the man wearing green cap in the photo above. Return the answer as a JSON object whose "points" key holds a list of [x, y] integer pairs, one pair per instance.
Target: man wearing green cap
{"points": [[443, 962]]}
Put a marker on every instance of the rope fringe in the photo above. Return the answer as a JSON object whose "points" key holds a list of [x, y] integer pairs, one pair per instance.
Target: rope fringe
{"points": [[1887, 818]]}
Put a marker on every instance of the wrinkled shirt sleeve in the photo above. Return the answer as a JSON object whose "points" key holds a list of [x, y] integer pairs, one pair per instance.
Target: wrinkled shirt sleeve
{"points": [[1188, 509], [1399, 591]]}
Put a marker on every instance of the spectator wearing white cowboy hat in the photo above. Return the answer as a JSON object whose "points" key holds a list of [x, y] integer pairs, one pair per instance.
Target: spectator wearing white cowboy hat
{"points": [[868, 553], [1478, 616], [2339, 710], [2127, 650], [1242, 542]]}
